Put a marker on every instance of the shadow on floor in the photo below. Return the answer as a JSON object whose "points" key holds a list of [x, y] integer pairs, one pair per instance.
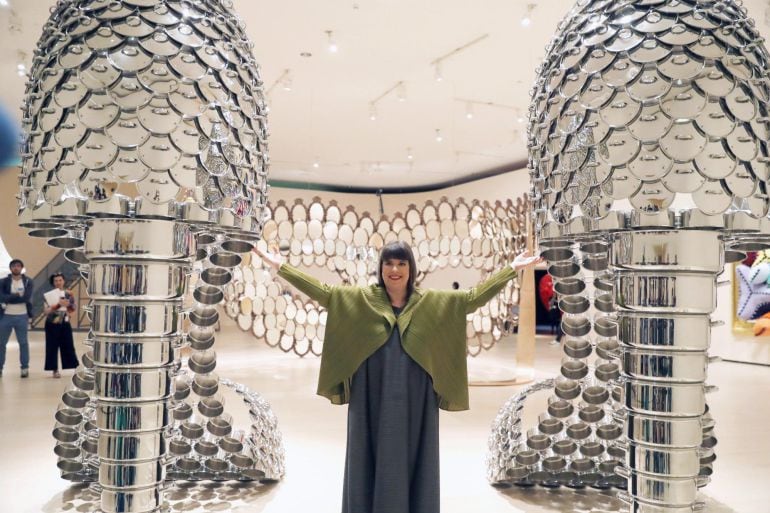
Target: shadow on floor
{"points": [[565, 500], [181, 496]]}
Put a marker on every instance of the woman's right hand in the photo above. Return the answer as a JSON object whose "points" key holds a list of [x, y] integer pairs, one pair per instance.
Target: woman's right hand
{"points": [[273, 259]]}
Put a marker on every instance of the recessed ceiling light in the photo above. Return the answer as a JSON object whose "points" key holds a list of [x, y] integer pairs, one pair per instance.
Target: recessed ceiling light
{"points": [[437, 74], [439, 137], [332, 44]]}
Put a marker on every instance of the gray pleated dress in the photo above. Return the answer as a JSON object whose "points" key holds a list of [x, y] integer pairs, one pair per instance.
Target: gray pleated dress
{"points": [[392, 461]]}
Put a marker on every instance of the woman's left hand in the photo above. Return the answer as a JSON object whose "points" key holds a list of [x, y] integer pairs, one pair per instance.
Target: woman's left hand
{"points": [[525, 259]]}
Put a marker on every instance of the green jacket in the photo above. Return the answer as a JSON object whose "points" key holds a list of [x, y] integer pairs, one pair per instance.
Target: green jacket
{"points": [[432, 327]]}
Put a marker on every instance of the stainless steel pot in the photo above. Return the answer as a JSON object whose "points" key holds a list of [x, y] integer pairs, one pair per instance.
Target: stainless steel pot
{"points": [[131, 501], [132, 475], [681, 367], [603, 302], [557, 254], [567, 389], [574, 304], [208, 295], [566, 269], [604, 282], [204, 317], [676, 492], [142, 280], [569, 286], [680, 250], [609, 349], [136, 318], [665, 331], [577, 348], [662, 431], [671, 399], [605, 327], [225, 259], [134, 416], [138, 239], [238, 245], [661, 292], [67, 450], [132, 447], [135, 352], [637, 506], [205, 385], [667, 462], [576, 326], [202, 362], [133, 385], [573, 369], [216, 276], [595, 262], [66, 434]]}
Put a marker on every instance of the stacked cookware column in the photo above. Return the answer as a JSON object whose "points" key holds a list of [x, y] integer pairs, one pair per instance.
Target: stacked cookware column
{"points": [[665, 292], [138, 277]]}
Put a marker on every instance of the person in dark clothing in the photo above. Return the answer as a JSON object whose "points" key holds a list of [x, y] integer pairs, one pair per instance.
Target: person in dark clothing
{"points": [[15, 302], [58, 330]]}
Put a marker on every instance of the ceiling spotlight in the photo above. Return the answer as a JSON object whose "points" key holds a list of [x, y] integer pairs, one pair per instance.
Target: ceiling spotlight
{"points": [[21, 68], [526, 20], [409, 155], [372, 111], [401, 92], [315, 164], [437, 74], [468, 110], [439, 137], [332, 45], [4, 3]]}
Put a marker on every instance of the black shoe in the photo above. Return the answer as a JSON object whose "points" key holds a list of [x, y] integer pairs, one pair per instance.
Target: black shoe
{"points": [[24, 373]]}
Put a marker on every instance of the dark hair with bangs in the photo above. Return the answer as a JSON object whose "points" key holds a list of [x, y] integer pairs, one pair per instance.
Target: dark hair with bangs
{"points": [[398, 250], [56, 275]]}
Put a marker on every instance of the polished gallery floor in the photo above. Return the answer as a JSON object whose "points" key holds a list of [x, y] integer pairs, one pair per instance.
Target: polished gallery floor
{"points": [[314, 436]]}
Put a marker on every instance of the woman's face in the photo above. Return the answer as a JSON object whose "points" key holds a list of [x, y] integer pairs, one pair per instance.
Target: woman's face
{"points": [[395, 273], [58, 282]]}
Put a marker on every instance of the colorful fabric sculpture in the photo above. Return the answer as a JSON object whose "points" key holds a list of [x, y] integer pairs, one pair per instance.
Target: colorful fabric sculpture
{"points": [[753, 289]]}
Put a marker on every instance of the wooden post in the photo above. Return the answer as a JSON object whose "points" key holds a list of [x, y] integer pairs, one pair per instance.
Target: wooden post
{"points": [[525, 348]]}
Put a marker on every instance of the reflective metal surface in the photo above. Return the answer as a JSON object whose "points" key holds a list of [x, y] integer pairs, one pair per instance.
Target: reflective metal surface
{"points": [[143, 280]]}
